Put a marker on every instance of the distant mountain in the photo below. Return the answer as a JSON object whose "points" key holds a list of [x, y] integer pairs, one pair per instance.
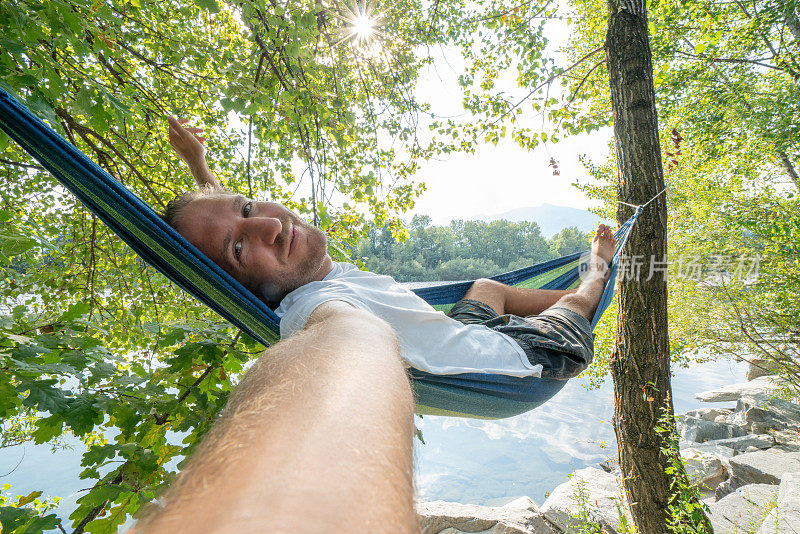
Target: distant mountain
{"points": [[552, 219]]}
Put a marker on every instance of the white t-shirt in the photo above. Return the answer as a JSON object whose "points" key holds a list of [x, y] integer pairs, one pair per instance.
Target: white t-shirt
{"points": [[429, 340]]}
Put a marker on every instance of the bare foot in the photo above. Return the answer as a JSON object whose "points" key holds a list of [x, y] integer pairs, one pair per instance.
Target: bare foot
{"points": [[603, 243]]}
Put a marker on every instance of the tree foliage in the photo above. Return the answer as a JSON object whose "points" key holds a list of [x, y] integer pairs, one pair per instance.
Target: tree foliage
{"points": [[95, 344], [726, 88], [463, 250]]}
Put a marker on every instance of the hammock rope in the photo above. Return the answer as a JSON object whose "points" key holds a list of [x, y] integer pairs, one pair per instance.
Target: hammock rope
{"points": [[474, 395]]}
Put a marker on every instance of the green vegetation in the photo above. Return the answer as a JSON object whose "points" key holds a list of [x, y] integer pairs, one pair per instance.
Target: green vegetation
{"points": [[726, 89], [463, 250], [686, 514], [96, 345]]}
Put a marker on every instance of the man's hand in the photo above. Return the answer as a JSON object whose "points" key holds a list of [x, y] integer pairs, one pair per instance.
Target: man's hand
{"points": [[189, 146], [185, 141]]}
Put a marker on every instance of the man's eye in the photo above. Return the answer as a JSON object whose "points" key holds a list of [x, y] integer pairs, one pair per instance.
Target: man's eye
{"points": [[237, 249], [246, 209]]}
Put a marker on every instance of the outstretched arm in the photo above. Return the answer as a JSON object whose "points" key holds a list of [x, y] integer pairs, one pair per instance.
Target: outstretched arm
{"points": [[189, 146], [316, 437]]}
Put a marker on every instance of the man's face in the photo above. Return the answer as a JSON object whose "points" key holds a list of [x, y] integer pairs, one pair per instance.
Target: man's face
{"points": [[263, 245]]}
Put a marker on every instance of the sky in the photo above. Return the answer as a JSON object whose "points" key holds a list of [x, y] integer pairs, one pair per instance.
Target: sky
{"points": [[495, 179], [500, 178]]}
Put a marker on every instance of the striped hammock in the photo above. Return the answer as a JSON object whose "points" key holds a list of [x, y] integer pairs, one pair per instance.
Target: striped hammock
{"points": [[475, 395]]}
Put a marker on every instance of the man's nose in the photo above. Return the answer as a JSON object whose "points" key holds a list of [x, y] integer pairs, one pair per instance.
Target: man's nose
{"points": [[264, 228]]}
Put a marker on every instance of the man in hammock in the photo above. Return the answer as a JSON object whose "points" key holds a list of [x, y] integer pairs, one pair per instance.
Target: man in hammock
{"points": [[284, 261]]}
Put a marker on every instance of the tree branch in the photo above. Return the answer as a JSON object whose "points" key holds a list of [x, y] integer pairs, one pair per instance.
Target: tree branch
{"points": [[23, 165]]}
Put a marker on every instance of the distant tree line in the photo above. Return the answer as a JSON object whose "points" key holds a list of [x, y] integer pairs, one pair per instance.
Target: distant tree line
{"points": [[463, 250]]}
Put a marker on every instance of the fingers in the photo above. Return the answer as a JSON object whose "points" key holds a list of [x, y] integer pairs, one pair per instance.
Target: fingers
{"points": [[177, 130], [604, 231], [177, 124]]}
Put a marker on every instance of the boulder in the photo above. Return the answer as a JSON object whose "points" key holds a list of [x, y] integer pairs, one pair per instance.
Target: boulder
{"points": [[764, 385], [742, 443], [704, 470], [590, 494], [709, 414], [760, 413], [711, 448], [784, 518], [697, 430], [763, 467], [786, 440], [743, 510], [520, 516], [757, 368]]}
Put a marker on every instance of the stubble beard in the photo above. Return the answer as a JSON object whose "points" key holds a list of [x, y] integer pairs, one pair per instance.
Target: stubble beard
{"points": [[306, 271]]}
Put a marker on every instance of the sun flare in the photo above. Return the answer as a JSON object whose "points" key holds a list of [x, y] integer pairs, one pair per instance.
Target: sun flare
{"points": [[360, 25], [363, 27]]}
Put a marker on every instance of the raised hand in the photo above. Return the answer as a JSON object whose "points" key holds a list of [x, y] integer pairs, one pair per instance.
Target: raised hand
{"points": [[189, 146], [185, 141]]}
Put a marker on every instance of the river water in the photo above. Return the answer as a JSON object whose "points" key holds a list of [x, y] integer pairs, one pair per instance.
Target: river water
{"points": [[463, 460], [492, 462]]}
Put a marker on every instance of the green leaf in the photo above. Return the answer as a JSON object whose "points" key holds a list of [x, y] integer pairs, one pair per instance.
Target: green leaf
{"points": [[48, 428], [13, 46], [12, 244], [9, 400], [81, 415], [209, 5], [12, 518], [293, 50], [75, 310], [97, 454], [43, 396]]}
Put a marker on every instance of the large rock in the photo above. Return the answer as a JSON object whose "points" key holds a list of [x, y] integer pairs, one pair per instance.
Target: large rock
{"points": [[784, 518], [705, 470], [765, 385], [710, 448], [707, 414], [590, 493], [760, 413], [697, 430], [517, 517], [742, 511], [742, 443], [763, 467], [786, 440], [757, 367]]}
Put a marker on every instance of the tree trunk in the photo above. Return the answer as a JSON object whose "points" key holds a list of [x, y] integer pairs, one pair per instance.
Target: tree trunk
{"points": [[790, 170], [640, 360], [792, 22]]}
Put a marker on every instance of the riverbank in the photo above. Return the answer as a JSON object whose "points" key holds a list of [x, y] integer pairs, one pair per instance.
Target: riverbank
{"points": [[745, 455]]}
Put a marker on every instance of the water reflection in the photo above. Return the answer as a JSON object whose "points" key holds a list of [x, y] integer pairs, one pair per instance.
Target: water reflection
{"points": [[469, 461], [492, 462]]}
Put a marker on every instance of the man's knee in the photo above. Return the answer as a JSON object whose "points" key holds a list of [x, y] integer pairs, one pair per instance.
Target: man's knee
{"points": [[483, 285], [578, 303]]}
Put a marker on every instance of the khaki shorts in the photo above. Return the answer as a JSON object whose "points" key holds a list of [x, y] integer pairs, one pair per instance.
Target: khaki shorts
{"points": [[559, 339]]}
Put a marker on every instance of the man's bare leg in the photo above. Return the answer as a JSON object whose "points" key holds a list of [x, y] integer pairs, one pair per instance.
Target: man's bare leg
{"points": [[508, 299], [585, 300], [526, 302], [316, 438]]}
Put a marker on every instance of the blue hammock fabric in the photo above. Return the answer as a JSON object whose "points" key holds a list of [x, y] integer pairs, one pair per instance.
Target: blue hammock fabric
{"points": [[475, 395]]}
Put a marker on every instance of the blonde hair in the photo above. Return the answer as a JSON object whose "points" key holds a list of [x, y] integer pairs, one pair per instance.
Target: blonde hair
{"points": [[173, 213]]}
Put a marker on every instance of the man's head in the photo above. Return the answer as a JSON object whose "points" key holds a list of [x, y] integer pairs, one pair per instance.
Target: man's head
{"points": [[263, 245]]}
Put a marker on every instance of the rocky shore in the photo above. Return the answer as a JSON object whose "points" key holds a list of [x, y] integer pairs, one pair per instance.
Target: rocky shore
{"points": [[745, 457]]}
